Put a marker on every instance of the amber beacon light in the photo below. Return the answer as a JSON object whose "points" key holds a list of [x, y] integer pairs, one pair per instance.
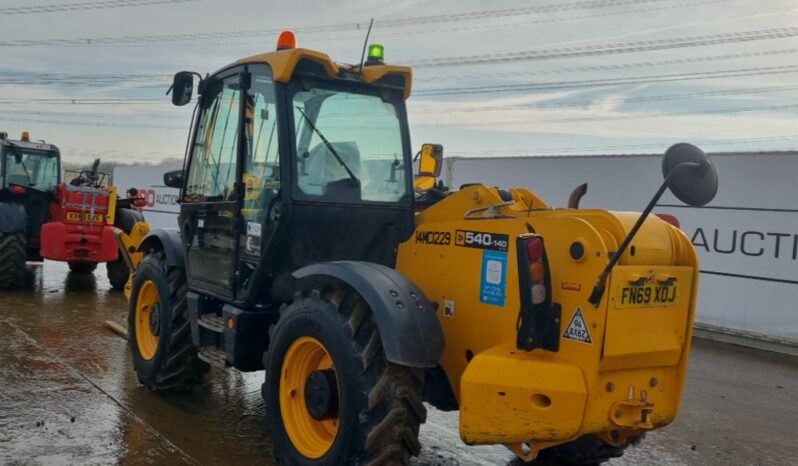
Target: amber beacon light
{"points": [[287, 40]]}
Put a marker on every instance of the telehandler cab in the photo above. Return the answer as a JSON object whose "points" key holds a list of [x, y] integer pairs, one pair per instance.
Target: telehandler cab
{"points": [[305, 250], [30, 172]]}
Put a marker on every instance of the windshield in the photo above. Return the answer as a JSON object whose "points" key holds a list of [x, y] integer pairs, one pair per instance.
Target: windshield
{"points": [[349, 146], [38, 170]]}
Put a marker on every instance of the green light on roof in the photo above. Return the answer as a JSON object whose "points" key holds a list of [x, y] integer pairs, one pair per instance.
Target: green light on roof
{"points": [[376, 52]]}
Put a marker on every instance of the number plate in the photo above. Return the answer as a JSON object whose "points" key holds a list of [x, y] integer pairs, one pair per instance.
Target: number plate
{"points": [[647, 295], [84, 217]]}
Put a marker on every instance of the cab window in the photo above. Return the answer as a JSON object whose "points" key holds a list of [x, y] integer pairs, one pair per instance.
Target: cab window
{"points": [[38, 170], [349, 146], [261, 174], [212, 173]]}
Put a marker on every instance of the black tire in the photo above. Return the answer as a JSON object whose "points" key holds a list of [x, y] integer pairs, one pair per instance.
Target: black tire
{"points": [[13, 253], [584, 451], [82, 267], [118, 272], [380, 409], [175, 364]]}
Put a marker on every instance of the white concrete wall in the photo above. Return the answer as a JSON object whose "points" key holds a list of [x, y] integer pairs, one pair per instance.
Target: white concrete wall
{"points": [[747, 238]]}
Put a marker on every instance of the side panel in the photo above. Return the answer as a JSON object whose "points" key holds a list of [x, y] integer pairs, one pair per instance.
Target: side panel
{"points": [[409, 328], [451, 273]]}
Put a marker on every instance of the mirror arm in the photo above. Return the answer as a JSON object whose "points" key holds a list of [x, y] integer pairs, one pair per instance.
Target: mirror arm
{"points": [[598, 289]]}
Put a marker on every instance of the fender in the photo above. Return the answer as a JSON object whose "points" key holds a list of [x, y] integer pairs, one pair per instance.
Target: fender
{"points": [[410, 331], [167, 240], [13, 218]]}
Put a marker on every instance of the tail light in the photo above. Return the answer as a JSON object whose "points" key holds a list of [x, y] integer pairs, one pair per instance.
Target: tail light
{"points": [[670, 219], [539, 318], [536, 267], [16, 189]]}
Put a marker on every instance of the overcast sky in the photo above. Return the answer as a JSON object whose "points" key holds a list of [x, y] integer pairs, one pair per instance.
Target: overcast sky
{"points": [[491, 78]]}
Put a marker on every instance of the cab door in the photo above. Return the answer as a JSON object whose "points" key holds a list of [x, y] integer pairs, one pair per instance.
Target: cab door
{"points": [[211, 198]]}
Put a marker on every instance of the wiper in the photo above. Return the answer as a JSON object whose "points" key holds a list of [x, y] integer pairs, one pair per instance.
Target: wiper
{"points": [[27, 175], [330, 147]]}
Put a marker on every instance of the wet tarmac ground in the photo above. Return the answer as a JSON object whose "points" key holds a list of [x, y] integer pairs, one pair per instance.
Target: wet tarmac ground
{"points": [[68, 395]]}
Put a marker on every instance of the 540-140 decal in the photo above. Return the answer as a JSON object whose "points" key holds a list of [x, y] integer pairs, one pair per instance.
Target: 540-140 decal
{"points": [[465, 238]]}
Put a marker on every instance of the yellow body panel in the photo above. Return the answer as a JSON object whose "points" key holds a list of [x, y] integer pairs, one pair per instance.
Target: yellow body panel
{"points": [[111, 217], [283, 63], [628, 378], [128, 244], [498, 381]]}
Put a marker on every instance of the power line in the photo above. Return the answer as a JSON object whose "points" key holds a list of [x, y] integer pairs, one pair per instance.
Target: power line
{"points": [[588, 102], [91, 114], [81, 101], [634, 116], [82, 6], [560, 85], [109, 80], [610, 49], [86, 123], [609, 67], [448, 109], [494, 25], [349, 26]]}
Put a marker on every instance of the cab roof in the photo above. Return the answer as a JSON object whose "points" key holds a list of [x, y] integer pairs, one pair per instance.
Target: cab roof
{"points": [[29, 145], [285, 62]]}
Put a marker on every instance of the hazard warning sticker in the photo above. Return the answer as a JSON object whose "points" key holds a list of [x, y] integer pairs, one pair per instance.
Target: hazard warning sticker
{"points": [[577, 329]]}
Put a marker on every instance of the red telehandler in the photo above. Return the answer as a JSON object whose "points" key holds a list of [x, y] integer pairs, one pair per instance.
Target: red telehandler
{"points": [[42, 217]]}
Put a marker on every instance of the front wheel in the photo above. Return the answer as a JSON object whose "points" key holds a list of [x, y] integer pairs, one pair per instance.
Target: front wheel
{"points": [[158, 327], [82, 267], [12, 259], [331, 396]]}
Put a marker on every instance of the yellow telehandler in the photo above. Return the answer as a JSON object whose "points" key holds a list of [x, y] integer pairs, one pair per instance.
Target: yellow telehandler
{"points": [[305, 249]]}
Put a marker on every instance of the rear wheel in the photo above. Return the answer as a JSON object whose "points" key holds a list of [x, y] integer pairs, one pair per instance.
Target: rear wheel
{"points": [[584, 451], [12, 259], [331, 396], [158, 327], [82, 267], [118, 273]]}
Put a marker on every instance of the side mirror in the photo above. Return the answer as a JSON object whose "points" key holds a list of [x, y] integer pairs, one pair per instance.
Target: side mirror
{"points": [[431, 160], [690, 174], [182, 88], [173, 179]]}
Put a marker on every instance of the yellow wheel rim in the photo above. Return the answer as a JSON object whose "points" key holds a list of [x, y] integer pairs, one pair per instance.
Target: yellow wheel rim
{"points": [[311, 437], [147, 316]]}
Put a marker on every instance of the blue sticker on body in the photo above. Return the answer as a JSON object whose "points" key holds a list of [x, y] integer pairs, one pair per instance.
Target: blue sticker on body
{"points": [[494, 277]]}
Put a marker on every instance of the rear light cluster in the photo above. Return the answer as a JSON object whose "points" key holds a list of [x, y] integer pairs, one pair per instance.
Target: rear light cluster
{"points": [[536, 266], [670, 219]]}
